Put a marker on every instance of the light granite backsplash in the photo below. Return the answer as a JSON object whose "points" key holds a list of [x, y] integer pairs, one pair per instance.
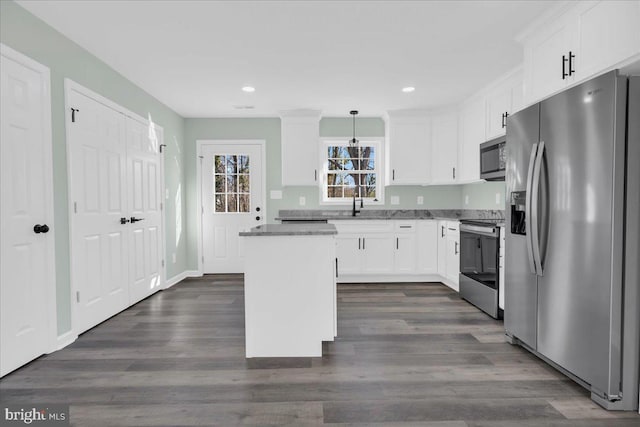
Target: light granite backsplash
{"points": [[328, 214]]}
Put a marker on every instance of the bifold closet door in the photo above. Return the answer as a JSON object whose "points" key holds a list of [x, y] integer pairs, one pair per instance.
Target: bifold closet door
{"points": [[98, 190]]}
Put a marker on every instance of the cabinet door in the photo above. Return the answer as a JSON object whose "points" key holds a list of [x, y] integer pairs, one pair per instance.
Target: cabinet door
{"points": [[427, 256], [349, 253], [405, 253], [608, 32], [409, 151], [498, 103], [453, 257], [472, 129], [378, 253], [442, 248], [543, 60], [300, 139], [444, 149]]}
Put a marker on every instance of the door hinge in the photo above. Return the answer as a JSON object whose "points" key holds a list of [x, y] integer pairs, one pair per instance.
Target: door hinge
{"points": [[75, 207], [160, 205], [163, 263], [73, 114], [77, 296]]}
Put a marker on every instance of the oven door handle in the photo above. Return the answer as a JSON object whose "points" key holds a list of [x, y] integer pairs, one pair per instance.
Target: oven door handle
{"points": [[528, 210]]}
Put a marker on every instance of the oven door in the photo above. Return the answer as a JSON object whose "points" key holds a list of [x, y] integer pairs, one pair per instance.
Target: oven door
{"points": [[479, 254]]}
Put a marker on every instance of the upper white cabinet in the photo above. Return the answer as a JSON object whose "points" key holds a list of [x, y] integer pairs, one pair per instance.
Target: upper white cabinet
{"points": [[444, 152], [300, 135], [472, 133], [409, 148], [583, 39], [504, 99]]}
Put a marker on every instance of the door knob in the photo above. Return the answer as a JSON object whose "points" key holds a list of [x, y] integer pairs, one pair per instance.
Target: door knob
{"points": [[123, 220], [257, 218], [134, 219], [40, 228], [258, 209]]}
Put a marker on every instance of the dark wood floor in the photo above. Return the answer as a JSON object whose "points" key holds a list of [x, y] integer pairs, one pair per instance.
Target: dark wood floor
{"points": [[407, 354]]}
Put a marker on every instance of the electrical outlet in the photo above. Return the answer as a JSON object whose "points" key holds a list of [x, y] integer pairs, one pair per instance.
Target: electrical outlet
{"points": [[497, 198], [302, 200], [420, 200], [174, 258], [395, 200], [466, 199]]}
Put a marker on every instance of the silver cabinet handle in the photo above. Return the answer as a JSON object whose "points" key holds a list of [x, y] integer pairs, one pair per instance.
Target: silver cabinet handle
{"points": [[456, 248], [359, 243], [527, 208], [442, 233]]}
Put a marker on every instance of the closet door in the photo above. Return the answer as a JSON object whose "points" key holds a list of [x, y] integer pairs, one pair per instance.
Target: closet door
{"points": [[98, 191], [144, 207]]}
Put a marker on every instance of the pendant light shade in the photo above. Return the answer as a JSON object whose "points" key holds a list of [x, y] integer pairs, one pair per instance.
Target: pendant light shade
{"points": [[353, 142]]}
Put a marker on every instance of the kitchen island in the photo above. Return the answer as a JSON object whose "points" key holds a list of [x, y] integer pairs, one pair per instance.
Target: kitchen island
{"points": [[290, 289]]}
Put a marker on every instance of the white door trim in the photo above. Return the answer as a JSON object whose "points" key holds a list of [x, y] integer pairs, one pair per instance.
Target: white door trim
{"points": [[71, 86], [199, 144], [51, 291]]}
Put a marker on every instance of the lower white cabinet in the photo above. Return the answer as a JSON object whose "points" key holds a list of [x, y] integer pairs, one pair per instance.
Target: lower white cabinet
{"points": [[398, 250]]}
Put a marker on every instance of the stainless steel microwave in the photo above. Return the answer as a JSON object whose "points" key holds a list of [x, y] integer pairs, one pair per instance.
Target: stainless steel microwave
{"points": [[493, 159]]}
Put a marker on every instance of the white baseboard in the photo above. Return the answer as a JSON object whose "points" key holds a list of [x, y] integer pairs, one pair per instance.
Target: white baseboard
{"points": [[180, 277], [64, 340], [389, 278]]}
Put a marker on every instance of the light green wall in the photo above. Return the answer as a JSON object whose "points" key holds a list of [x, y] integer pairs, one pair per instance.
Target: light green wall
{"points": [[482, 195], [29, 35]]}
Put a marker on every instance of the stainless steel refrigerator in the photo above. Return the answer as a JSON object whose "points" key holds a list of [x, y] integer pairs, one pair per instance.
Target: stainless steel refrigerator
{"points": [[572, 232]]}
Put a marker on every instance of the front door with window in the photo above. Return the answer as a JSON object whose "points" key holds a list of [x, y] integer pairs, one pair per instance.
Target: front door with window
{"points": [[232, 189]]}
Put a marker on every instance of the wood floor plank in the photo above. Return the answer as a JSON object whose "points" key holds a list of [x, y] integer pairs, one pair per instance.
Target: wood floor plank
{"points": [[407, 354]]}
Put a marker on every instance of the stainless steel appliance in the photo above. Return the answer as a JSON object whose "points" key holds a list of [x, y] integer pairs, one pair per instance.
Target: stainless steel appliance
{"points": [[571, 261], [479, 278], [493, 159]]}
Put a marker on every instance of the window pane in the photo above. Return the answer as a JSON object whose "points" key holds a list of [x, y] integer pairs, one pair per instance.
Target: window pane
{"points": [[244, 204], [232, 203], [336, 164], [243, 164], [334, 192], [219, 164], [349, 180], [349, 165], [221, 203], [232, 183], [349, 191], [232, 164], [219, 183], [369, 192], [243, 183], [370, 179]]}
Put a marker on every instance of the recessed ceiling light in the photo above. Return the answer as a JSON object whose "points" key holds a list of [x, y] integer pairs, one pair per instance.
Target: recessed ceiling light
{"points": [[249, 89], [408, 89]]}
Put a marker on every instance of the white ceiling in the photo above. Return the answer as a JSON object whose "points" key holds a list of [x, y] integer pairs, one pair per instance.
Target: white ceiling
{"points": [[332, 56]]}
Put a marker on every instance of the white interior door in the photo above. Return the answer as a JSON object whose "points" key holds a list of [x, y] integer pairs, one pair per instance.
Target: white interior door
{"points": [[144, 207], [100, 241], [232, 191], [27, 285]]}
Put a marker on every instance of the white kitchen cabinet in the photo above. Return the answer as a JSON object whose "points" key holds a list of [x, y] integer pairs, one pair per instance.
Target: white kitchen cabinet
{"points": [[453, 254], [405, 249], [348, 252], [427, 247], [300, 136], [502, 101], [377, 251], [409, 148], [444, 153], [595, 35], [472, 133], [442, 248]]}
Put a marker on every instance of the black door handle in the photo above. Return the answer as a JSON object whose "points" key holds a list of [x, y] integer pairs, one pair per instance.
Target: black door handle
{"points": [[258, 209], [123, 220], [134, 219], [44, 228], [257, 218]]}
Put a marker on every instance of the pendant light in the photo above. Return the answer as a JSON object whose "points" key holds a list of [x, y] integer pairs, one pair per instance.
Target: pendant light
{"points": [[353, 142]]}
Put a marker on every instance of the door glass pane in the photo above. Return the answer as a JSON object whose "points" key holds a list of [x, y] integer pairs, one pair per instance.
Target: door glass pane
{"points": [[231, 183]]}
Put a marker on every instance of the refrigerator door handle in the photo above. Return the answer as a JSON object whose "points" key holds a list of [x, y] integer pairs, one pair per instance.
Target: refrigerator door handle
{"points": [[535, 209], [527, 209]]}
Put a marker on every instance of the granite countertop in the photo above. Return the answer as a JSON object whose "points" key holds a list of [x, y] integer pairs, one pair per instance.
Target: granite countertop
{"points": [[295, 229], [381, 214]]}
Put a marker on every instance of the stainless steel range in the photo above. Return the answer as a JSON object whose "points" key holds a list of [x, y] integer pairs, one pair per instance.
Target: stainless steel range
{"points": [[479, 278]]}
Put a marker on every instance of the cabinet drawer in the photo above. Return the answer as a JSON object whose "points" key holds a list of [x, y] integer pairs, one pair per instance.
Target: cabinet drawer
{"points": [[360, 227], [453, 226], [404, 226]]}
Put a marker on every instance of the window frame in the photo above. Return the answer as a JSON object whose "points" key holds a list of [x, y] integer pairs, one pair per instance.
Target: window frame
{"points": [[377, 143]]}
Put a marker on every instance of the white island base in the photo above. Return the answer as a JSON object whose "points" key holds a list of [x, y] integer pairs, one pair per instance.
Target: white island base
{"points": [[290, 290]]}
